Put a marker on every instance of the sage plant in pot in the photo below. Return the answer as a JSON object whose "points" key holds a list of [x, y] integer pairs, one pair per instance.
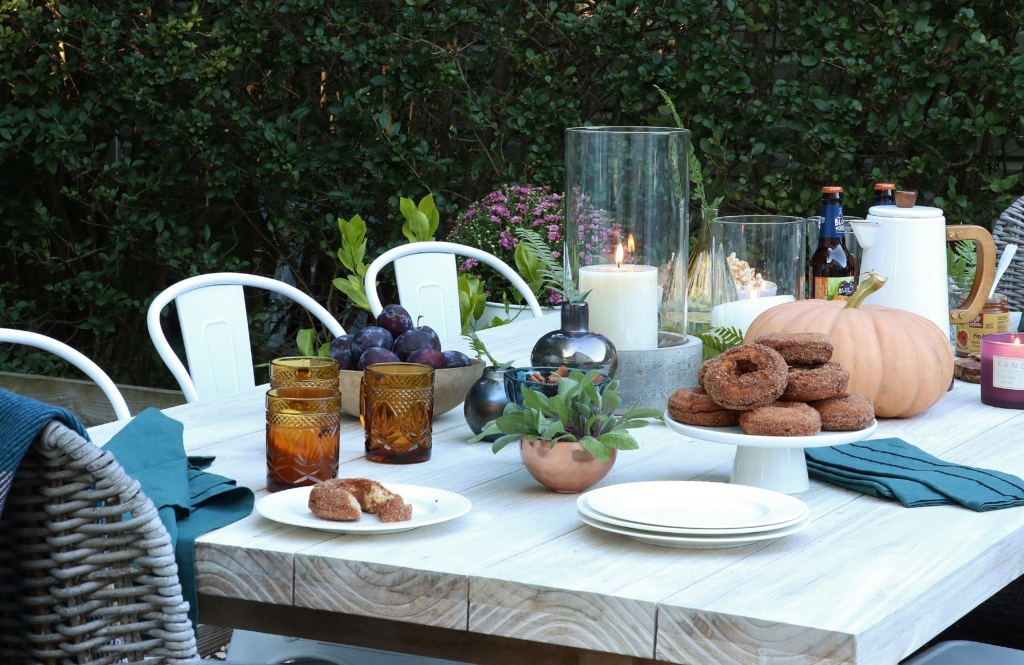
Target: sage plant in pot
{"points": [[569, 442]]}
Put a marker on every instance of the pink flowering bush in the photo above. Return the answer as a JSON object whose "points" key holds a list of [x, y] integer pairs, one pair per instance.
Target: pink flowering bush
{"points": [[490, 225]]}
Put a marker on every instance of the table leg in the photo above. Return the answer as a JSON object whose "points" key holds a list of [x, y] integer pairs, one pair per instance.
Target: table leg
{"points": [[779, 469]]}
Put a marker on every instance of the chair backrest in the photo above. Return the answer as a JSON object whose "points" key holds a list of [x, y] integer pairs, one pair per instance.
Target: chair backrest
{"points": [[215, 329], [79, 582], [91, 369], [428, 282], [1009, 229]]}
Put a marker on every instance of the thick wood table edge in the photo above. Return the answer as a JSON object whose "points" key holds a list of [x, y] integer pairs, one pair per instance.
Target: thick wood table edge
{"points": [[399, 636]]}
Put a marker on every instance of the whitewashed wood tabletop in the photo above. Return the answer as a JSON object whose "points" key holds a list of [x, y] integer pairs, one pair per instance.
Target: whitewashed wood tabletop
{"points": [[868, 582]]}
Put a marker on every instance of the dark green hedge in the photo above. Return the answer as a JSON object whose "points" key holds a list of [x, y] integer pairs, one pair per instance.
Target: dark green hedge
{"points": [[141, 142]]}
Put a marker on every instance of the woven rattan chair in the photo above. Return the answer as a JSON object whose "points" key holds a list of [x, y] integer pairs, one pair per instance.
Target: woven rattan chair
{"points": [[87, 571], [1009, 229]]}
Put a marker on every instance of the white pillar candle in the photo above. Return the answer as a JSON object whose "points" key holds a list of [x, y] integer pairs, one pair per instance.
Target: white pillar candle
{"points": [[623, 303], [741, 313]]}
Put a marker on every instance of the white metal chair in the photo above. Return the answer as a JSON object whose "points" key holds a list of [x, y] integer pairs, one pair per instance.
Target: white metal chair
{"points": [[959, 652], [91, 369], [247, 646], [215, 329], [428, 282]]}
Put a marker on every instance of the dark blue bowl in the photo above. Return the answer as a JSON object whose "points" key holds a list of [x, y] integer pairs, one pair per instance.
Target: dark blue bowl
{"points": [[515, 380]]}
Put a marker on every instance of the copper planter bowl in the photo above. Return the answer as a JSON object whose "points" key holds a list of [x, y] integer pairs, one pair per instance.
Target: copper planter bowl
{"points": [[567, 468]]}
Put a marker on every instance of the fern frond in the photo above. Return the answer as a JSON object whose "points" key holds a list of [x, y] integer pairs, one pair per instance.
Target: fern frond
{"points": [[717, 341], [480, 350], [552, 275]]}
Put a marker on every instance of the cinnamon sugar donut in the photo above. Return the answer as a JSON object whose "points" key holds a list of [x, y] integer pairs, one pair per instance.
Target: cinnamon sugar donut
{"points": [[376, 499], [745, 377], [814, 382], [330, 501], [693, 407], [781, 419], [805, 348], [848, 413]]}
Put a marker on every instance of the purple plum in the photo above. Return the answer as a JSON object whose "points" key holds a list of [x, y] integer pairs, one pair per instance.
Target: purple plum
{"points": [[395, 319], [370, 337], [344, 358], [374, 355], [415, 339], [340, 351], [455, 359], [427, 356]]}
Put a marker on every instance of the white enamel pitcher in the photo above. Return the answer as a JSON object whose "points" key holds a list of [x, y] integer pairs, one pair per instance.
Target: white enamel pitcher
{"points": [[908, 245]]}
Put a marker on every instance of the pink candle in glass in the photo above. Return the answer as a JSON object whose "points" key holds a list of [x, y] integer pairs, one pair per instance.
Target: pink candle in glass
{"points": [[1002, 370]]}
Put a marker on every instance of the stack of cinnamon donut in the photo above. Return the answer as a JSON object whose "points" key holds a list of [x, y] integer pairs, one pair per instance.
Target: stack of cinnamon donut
{"points": [[781, 385]]}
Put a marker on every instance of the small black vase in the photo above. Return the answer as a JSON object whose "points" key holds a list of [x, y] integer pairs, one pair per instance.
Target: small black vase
{"points": [[486, 401], [574, 346]]}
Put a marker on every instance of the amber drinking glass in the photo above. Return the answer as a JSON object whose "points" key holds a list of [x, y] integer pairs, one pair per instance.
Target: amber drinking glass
{"points": [[304, 372], [302, 436], [398, 412]]}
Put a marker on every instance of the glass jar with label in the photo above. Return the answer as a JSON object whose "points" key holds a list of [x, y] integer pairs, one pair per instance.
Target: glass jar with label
{"points": [[993, 318]]}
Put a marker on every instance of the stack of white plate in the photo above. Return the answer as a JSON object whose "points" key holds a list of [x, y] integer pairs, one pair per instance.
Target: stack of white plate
{"points": [[693, 514]]}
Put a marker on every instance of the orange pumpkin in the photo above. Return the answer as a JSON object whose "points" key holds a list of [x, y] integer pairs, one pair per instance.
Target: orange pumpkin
{"points": [[897, 359]]}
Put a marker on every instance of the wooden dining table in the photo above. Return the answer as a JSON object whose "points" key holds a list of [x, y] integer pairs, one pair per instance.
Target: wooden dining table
{"points": [[520, 579]]}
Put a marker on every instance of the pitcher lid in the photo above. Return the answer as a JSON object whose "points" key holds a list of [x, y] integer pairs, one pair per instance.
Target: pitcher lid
{"points": [[894, 212]]}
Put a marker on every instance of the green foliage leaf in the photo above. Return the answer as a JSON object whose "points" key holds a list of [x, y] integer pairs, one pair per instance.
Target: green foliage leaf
{"points": [[620, 440], [597, 448], [305, 341], [353, 287], [471, 299]]}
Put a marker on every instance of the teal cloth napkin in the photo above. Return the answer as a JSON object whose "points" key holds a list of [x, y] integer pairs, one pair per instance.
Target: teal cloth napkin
{"points": [[892, 468], [190, 501]]}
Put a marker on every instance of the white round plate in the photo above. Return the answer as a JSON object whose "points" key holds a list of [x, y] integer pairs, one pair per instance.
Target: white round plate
{"points": [[586, 511], [698, 542], [686, 504], [737, 437], [429, 506]]}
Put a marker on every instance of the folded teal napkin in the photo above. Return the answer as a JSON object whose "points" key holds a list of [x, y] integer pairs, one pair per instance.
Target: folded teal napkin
{"points": [[892, 468], [189, 500]]}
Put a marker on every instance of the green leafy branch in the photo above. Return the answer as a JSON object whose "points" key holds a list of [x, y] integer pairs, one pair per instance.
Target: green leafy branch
{"points": [[471, 299], [420, 220], [696, 173], [351, 255], [579, 412], [544, 267], [480, 350], [717, 341]]}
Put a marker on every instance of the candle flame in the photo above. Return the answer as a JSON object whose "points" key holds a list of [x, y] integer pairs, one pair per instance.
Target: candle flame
{"points": [[619, 255], [1016, 341], [630, 245]]}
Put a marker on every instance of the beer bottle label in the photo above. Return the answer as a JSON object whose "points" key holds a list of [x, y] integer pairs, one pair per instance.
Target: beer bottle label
{"points": [[832, 220], [833, 288]]}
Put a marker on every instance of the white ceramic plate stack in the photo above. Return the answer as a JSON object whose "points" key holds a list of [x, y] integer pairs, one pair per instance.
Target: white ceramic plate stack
{"points": [[693, 514]]}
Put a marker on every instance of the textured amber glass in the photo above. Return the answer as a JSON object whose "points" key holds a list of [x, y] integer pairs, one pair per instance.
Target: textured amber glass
{"points": [[302, 436], [304, 372], [398, 412]]}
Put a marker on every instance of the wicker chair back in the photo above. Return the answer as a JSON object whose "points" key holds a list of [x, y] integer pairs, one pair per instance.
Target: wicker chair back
{"points": [[87, 571], [1009, 229]]}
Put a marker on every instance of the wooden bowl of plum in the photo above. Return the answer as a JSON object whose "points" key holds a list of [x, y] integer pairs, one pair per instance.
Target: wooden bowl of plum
{"points": [[394, 338]]}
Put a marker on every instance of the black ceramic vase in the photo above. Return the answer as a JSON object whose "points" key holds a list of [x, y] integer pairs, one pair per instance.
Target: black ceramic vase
{"points": [[486, 401], [574, 346]]}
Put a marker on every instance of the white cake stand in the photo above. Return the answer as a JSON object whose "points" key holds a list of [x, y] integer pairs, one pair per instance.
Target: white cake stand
{"points": [[772, 462]]}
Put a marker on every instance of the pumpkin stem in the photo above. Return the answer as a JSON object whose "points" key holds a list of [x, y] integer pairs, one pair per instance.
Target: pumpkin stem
{"points": [[871, 283]]}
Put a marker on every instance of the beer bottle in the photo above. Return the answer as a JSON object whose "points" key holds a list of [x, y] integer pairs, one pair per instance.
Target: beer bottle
{"points": [[833, 272], [885, 194]]}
